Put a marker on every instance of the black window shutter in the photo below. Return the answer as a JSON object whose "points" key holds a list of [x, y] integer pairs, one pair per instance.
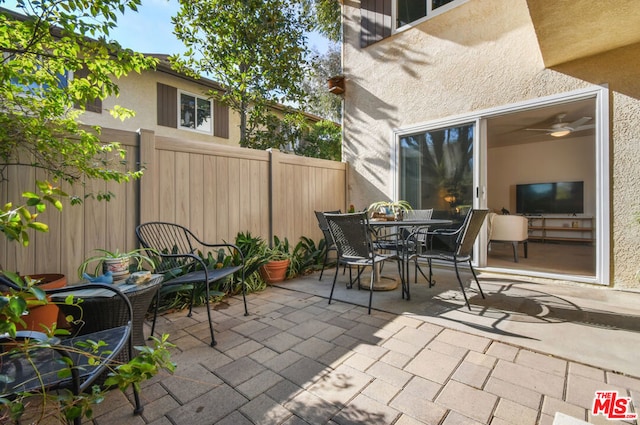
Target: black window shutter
{"points": [[375, 21], [220, 119], [167, 109]]}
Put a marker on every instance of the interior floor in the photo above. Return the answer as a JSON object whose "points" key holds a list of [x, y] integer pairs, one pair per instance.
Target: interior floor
{"points": [[560, 258]]}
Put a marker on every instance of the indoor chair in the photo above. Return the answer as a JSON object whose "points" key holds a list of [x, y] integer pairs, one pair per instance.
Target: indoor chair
{"points": [[513, 229]]}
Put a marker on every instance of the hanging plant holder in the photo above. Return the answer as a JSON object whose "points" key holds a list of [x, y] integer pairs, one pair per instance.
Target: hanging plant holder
{"points": [[336, 84]]}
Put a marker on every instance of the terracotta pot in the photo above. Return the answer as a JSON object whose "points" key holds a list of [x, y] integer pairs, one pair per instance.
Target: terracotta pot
{"points": [[44, 314], [274, 271]]}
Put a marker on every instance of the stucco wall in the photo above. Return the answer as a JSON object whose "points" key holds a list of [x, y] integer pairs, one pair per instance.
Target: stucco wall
{"points": [[138, 92], [482, 54]]}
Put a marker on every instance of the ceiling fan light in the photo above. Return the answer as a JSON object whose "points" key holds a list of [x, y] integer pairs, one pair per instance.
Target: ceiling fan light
{"points": [[560, 133]]}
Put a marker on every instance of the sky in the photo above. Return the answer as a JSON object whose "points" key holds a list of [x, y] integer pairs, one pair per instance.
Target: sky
{"points": [[150, 30]]}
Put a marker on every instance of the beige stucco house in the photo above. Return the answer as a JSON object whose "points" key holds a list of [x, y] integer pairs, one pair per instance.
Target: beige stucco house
{"points": [[172, 104], [452, 104]]}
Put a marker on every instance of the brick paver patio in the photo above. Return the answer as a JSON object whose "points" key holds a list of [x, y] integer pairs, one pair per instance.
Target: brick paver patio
{"points": [[296, 360]]}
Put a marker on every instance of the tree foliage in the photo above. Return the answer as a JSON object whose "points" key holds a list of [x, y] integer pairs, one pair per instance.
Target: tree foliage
{"points": [[320, 101], [324, 141], [40, 119], [325, 15], [256, 49]]}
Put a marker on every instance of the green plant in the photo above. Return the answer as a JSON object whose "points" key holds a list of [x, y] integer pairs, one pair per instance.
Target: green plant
{"points": [[137, 255], [14, 303], [309, 256], [279, 250], [40, 123], [391, 207]]}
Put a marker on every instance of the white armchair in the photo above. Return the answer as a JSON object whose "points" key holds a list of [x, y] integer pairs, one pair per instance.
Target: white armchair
{"points": [[513, 229]]}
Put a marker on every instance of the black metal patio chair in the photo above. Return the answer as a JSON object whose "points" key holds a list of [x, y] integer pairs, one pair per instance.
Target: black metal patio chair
{"points": [[352, 236], [461, 240], [48, 360], [176, 249], [328, 239]]}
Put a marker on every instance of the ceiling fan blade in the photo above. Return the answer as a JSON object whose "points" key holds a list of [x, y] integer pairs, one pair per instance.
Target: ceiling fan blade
{"points": [[577, 123], [584, 127], [539, 129]]}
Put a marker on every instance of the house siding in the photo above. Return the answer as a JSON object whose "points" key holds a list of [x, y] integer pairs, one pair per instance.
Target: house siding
{"points": [[480, 55], [153, 97]]}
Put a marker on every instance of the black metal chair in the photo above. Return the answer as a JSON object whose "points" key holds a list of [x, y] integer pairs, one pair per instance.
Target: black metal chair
{"points": [[352, 236], [47, 360], [175, 247], [328, 239], [461, 240]]}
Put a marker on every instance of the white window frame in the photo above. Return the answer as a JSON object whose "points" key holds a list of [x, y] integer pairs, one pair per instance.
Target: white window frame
{"points": [[430, 13], [196, 97], [602, 169]]}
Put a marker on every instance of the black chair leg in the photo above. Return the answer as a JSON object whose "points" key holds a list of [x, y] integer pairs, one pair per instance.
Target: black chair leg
{"points": [[155, 314], [373, 277], [193, 297], [324, 263], [213, 339], [526, 246], [473, 271], [335, 277], [466, 300], [515, 251], [139, 408]]}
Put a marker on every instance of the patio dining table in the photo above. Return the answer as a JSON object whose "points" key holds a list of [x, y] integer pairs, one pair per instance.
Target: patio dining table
{"points": [[397, 242]]}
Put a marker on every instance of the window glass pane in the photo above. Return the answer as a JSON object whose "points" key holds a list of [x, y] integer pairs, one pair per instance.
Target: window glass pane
{"points": [[438, 3], [436, 171], [410, 10], [187, 111], [204, 115]]}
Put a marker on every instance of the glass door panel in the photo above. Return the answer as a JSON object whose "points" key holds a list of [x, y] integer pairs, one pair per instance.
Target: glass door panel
{"points": [[436, 170]]}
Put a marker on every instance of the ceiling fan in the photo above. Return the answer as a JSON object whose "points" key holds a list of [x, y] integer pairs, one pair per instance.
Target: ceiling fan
{"points": [[561, 128]]}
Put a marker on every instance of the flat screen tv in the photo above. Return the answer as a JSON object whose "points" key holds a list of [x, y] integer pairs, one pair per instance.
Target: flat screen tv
{"points": [[550, 198]]}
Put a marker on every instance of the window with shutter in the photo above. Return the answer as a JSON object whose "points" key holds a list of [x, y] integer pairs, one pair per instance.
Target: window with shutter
{"points": [[188, 111], [380, 18], [375, 21]]}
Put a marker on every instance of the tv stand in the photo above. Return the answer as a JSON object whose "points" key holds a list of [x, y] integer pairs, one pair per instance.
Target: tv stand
{"points": [[562, 228]]}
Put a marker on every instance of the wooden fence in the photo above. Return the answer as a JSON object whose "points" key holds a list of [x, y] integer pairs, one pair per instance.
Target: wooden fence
{"points": [[215, 190]]}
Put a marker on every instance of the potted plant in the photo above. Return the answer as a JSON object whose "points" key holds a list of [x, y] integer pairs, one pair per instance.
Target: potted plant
{"points": [[42, 315], [116, 262], [278, 261], [389, 210]]}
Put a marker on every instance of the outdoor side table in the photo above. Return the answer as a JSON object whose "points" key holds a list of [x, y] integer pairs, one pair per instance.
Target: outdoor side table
{"points": [[96, 312]]}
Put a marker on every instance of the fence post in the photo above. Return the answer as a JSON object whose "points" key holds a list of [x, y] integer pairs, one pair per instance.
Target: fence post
{"points": [[272, 172], [148, 208]]}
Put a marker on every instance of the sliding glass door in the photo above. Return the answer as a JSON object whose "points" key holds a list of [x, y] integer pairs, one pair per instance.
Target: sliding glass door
{"points": [[482, 159]]}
